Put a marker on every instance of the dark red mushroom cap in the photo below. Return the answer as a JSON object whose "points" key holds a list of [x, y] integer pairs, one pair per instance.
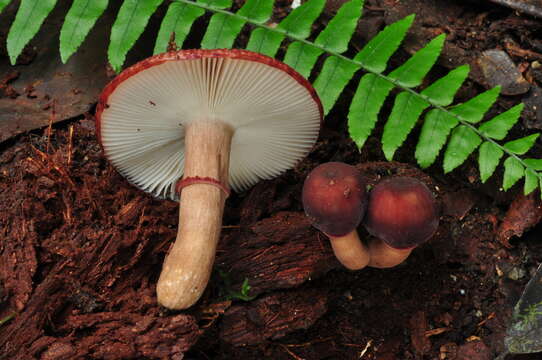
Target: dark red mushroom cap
{"points": [[334, 198], [402, 212]]}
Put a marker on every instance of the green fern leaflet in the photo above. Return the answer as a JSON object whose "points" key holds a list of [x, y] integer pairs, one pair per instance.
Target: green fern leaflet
{"points": [[452, 132]]}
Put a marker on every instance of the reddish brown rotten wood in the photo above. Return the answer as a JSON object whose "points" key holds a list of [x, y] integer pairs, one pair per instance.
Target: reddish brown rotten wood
{"points": [[278, 252], [272, 316], [524, 213]]}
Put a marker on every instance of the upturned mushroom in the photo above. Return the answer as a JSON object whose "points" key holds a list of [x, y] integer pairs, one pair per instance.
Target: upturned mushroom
{"points": [[334, 200], [193, 123], [402, 214]]}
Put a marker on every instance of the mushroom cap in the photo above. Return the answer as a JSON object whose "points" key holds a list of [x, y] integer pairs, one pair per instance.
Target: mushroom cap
{"points": [[334, 198], [402, 212], [274, 112]]}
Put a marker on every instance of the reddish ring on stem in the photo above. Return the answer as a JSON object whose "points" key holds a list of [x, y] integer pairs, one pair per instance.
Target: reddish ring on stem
{"points": [[191, 180]]}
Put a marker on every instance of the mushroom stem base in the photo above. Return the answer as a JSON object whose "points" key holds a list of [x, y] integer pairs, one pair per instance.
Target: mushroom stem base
{"points": [[350, 251], [384, 256], [188, 265]]}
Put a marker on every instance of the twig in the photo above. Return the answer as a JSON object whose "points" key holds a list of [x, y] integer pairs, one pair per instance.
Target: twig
{"points": [[309, 343], [70, 140], [489, 317], [50, 127], [291, 353], [437, 331], [362, 353]]}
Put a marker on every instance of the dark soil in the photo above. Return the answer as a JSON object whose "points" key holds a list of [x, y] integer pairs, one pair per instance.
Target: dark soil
{"points": [[81, 249]]}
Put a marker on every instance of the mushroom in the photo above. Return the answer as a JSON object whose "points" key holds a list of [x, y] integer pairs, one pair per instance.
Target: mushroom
{"points": [[402, 214], [334, 200], [188, 125]]}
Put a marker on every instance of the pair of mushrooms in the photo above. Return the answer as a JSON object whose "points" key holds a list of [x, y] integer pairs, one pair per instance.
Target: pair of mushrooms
{"points": [[401, 213], [189, 125]]}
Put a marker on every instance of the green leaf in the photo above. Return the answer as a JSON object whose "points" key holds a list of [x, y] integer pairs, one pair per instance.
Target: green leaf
{"points": [[302, 57], [338, 32], [498, 127], [217, 4], [178, 19], [335, 37], [521, 146], [473, 110], [27, 22], [258, 11], [531, 181], [375, 55], [80, 19], [3, 4], [412, 72], [462, 143], [221, 32], [442, 91], [297, 24], [370, 95], [535, 164], [264, 42], [131, 20], [435, 131], [489, 156], [335, 74], [223, 29], [513, 171], [404, 115]]}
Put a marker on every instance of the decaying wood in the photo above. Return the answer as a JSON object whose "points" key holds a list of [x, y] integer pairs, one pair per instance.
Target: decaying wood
{"points": [[278, 252], [272, 316], [79, 271], [524, 212]]}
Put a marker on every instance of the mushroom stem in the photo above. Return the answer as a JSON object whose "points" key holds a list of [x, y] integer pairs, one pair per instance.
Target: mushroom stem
{"points": [[384, 256], [350, 251], [188, 265]]}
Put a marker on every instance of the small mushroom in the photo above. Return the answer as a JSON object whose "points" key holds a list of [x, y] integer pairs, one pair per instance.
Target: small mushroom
{"points": [[192, 123], [334, 200], [402, 214]]}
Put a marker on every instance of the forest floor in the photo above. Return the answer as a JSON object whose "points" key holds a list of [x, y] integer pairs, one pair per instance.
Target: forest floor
{"points": [[81, 249]]}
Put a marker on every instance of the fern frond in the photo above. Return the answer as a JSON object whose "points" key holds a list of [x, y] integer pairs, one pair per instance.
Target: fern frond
{"points": [[474, 110], [335, 36], [535, 164], [456, 128], [463, 142], [178, 20], [498, 127], [408, 107], [296, 25], [27, 22], [489, 156], [223, 29], [375, 55], [521, 146], [80, 19], [531, 181], [3, 4], [513, 171], [442, 91], [131, 21], [368, 100], [435, 131]]}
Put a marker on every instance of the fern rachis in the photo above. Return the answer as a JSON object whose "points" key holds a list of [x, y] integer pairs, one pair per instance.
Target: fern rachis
{"points": [[454, 128]]}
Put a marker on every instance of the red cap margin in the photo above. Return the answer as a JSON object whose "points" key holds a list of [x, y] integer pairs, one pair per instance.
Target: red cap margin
{"points": [[198, 54]]}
